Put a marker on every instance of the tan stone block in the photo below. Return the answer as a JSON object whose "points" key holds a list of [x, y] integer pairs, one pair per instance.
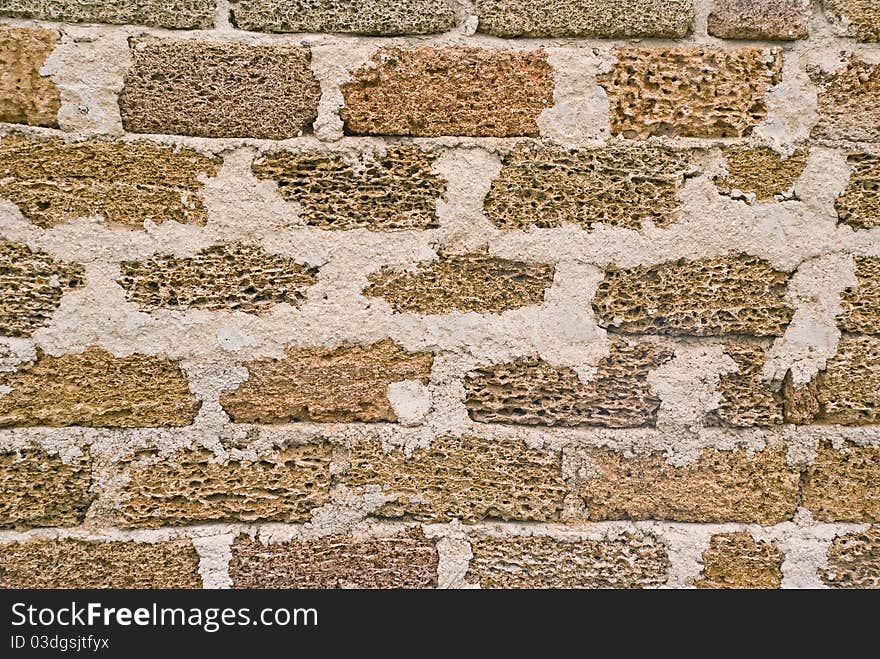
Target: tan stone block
{"points": [[26, 96], [97, 389], [39, 489], [465, 282], [604, 19], [404, 560], [854, 561], [844, 485], [848, 390], [191, 487], [760, 171], [849, 103], [546, 187], [747, 399], [219, 89], [32, 284], [720, 486], [396, 190], [735, 294], [468, 478], [532, 392], [374, 17], [737, 560], [126, 183], [859, 205], [760, 20], [237, 277], [628, 560], [855, 18], [429, 92], [183, 14], [99, 565], [690, 92], [342, 385]]}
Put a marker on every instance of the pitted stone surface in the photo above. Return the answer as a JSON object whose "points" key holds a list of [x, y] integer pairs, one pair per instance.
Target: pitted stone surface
{"points": [[531, 392], [38, 489], [26, 96], [429, 92], [375, 17], [626, 561], [346, 384], [380, 192], [236, 277], [96, 389], [468, 478], [219, 89], [618, 19], [682, 92], [735, 294], [193, 487], [468, 282], [404, 560], [99, 565], [32, 284], [737, 560], [622, 186], [126, 183]]}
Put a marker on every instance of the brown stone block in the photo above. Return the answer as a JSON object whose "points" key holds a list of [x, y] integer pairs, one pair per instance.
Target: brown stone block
{"points": [[342, 385]]}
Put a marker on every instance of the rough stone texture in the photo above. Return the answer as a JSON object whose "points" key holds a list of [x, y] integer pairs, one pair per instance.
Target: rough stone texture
{"points": [[690, 92], [622, 186], [737, 560], [848, 390], [234, 277], [31, 287], [468, 282], [26, 97], [720, 486], [799, 401], [429, 92], [844, 485], [38, 489], [191, 487], [859, 205], [856, 18], [96, 389], [531, 392], [99, 565], [378, 17], [342, 385], [586, 18], [760, 171], [747, 400], [380, 192], [405, 560], [760, 20], [126, 183], [849, 104], [861, 305], [627, 561], [468, 478], [735, 294], [854, 561], [219, 89], [183, 14]]}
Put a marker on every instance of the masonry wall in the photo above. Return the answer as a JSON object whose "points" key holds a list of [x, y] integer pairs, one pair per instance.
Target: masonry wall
{"points": [[434, 293]]}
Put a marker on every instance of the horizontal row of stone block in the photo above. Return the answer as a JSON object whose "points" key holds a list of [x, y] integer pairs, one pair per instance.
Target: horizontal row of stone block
{"points": [[232, 90], [540, 186], [469, 478], [784, 20], [409, 559]]}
